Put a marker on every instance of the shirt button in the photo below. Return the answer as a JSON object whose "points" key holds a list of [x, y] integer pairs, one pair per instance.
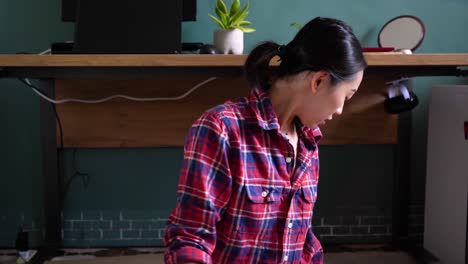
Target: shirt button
{"points": [[286, 258], [290, 225], [264, 194], [288, 159]]}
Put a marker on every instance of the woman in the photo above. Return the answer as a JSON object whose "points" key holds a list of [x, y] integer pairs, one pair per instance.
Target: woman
{"points": [[248, 184]]}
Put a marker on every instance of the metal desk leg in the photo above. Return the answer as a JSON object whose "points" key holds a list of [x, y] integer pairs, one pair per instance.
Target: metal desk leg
{"points": [[52, 208], [401, 183]]}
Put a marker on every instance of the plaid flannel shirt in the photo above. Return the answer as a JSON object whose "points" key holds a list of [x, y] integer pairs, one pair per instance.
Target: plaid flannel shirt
{"points": [[240, 197]]}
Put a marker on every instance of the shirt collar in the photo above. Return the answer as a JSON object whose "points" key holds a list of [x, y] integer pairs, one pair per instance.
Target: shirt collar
{"points": [[265, 116]]}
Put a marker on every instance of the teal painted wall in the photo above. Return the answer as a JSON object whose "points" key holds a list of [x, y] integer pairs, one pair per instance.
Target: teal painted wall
{"points": [[145, 179], [25, 26]]}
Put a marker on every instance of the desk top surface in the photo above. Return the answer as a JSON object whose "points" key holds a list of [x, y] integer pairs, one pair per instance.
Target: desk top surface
{"points": [[195, 60]]}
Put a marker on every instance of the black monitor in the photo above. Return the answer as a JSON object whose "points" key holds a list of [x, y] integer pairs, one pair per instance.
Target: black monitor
{"points": [[128, 27], [69, 7]]}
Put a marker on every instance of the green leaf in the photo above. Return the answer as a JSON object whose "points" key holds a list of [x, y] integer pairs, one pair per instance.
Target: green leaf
{"points": [[236, 21], [240, 15], [217, 21], [247, 30], [221, 6], [245, 23], [234, 7], [222, 17], [296, 25]]}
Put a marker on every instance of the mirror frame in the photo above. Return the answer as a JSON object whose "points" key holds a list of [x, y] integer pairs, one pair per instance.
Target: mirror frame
{"points": [[405, 16]]}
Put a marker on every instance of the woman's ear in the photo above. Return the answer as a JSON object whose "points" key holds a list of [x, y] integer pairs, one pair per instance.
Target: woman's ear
{"points": [[318, 79]]}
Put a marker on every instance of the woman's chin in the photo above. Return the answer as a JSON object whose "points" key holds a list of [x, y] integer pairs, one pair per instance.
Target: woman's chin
{"points": [[317, 124], [320, 123]]}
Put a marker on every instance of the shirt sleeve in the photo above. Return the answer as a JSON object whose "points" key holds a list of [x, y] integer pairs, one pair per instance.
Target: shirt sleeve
{"points": [[204, 190], [313, 252]]}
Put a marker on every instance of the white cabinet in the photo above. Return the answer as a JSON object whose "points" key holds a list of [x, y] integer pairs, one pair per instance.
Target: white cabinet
{"points": [[445, 220]]}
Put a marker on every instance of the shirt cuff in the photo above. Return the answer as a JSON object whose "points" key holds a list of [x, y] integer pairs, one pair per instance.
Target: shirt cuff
{"points": [[187, 254]]}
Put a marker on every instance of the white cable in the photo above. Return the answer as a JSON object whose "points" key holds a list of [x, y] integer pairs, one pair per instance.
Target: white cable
{"points": [[47, 51], [139, 99]]}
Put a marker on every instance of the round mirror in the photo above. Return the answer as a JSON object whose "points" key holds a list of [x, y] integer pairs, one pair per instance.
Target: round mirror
{"points": [[403, 32]]}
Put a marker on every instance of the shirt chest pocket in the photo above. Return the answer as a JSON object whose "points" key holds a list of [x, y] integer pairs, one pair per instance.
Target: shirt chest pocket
{"points": [[261, 208], [309, 193]]}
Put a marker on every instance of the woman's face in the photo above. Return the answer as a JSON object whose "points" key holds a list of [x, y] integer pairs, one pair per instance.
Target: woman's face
{"points": [[323, 100]]}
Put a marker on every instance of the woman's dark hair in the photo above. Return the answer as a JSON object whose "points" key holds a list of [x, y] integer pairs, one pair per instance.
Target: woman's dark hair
{"points": [[322, 44]]}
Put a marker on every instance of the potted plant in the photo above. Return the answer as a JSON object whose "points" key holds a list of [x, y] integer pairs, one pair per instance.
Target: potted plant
{"points": [[230, 37]]}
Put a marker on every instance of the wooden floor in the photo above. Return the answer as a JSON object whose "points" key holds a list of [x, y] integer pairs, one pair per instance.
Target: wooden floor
{"points": [[369, 257], [138, 259], [330, 258]]}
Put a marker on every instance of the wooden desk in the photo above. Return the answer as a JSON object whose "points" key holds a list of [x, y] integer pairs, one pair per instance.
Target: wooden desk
{"points": [[374, 59], [56, 66], [136, 124], [52, 70]]}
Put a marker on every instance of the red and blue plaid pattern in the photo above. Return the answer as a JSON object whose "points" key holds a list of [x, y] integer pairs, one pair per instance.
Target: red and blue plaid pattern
{"points": [[240, 199]]}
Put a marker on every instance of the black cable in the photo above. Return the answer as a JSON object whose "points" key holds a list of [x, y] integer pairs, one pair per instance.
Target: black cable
{"points": [[77, 173], [59, 161], [59, 158], [85, 176], [57, 117]]}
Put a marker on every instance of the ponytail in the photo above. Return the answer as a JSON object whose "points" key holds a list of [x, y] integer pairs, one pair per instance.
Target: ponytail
{"points": [[322, 44], [257, 69]]}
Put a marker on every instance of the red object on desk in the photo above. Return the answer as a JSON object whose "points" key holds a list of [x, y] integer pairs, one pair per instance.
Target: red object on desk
{"points": [[377, 49]]}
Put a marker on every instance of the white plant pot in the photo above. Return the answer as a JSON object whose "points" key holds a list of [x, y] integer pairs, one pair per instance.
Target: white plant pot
{"points": [[229, 41]]}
